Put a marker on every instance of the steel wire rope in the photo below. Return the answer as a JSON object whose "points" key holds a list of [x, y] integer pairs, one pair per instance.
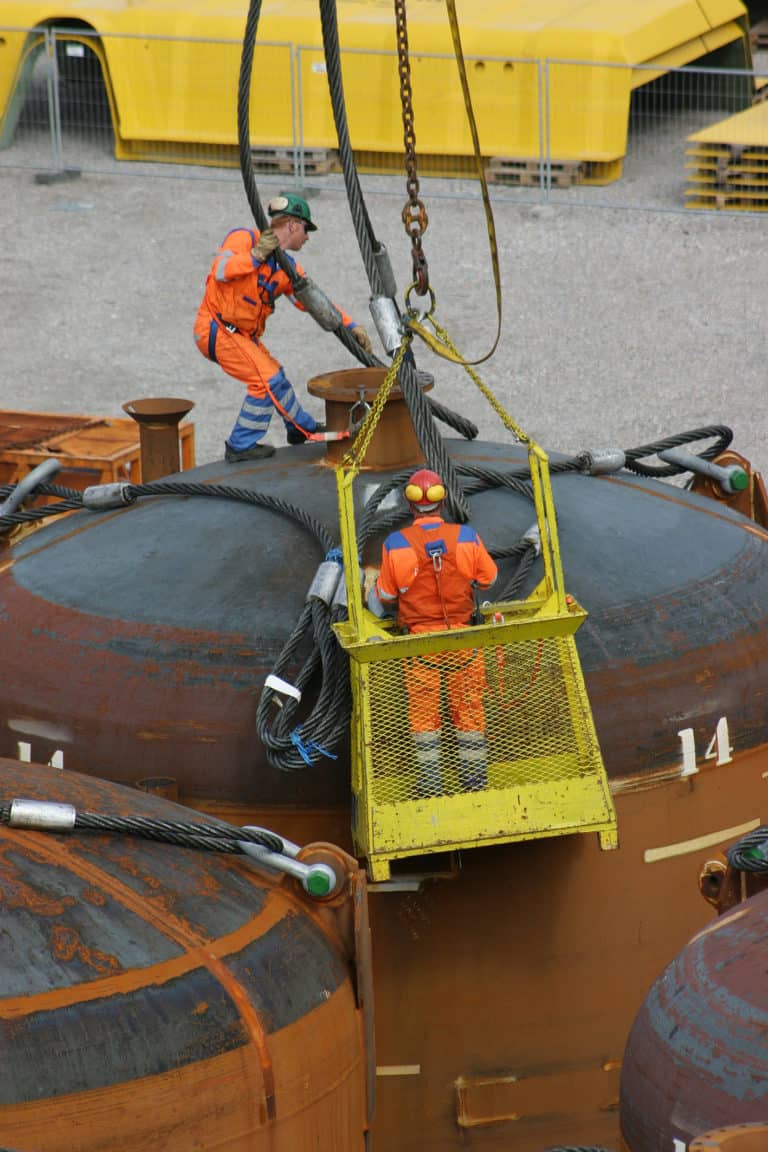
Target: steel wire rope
{"points": [[423, 411], [218, 837], [246, 167], [45, 489], [750, 852], [366, 239], [367, 242], [292, 745], [327, 724], [288, 758], [281, 746], [413, 393], [29, 515], [722, 434], [306, 743], [327, 718], [526, 553], [226, 491], [509, 478]]}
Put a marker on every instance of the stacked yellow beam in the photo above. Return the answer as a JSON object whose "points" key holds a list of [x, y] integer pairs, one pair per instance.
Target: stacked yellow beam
{"points": [[728, 163]]}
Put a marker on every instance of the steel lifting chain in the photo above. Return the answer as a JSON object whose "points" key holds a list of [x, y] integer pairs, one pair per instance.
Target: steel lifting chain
{"points": [[414, 213]]}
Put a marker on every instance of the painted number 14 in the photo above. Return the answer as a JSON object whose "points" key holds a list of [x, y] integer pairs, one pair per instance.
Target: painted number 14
{"points": [[719, 748]]}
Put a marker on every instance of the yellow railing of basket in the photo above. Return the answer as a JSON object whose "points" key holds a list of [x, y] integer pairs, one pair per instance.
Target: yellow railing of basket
{"points": [[545, 775]]}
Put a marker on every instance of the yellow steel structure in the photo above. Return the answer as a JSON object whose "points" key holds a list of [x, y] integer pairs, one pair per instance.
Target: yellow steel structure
{"points": [[545, 774], [172, 71]]}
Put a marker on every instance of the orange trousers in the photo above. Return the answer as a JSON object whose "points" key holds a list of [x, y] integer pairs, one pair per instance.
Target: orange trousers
{"points": [[465, 685], [252, 364]]}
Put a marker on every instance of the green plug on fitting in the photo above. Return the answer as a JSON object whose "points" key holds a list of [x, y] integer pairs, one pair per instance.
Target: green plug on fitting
{"points": [[737, 479], [730, 477], [320, 880]]}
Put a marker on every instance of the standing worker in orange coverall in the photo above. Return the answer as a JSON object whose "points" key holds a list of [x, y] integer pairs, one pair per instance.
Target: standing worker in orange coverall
{"points": [[429, 570], [240, 293]]}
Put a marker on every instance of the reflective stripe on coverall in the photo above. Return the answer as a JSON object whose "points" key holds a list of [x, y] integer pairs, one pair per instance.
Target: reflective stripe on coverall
{"points": [[433, 595], [239, 298]]}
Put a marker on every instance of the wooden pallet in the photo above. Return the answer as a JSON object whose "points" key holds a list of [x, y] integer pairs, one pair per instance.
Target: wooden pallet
{"points": [[313, 161], [731, 179], [527, 173], [725, 202], [728, 163], [724, 164], [729, 154]]}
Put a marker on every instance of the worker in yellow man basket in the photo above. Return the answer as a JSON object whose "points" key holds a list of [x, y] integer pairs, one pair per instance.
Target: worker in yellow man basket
{"points": [[428, 572], [241, 290]]}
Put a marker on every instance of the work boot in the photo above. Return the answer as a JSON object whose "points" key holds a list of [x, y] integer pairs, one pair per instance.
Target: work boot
{"points": [[473, 761], [429, 775], [297, 436], [258, 452]]}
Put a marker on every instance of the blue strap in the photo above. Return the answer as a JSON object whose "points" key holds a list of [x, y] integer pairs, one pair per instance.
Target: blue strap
{"points": [[335, 554], [306, 748]]}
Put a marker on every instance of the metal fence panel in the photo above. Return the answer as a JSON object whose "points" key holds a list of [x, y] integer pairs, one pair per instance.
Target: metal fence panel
{"points": [[563, 131], [29, 95], [657, 130]]}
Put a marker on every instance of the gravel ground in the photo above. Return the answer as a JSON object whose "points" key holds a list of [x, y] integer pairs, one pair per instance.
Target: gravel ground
{"points": [[619, 326]]}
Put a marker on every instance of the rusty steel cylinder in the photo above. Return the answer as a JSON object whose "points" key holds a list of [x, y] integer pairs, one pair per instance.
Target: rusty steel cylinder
{"points": [[695, 1071], [156, 996]]}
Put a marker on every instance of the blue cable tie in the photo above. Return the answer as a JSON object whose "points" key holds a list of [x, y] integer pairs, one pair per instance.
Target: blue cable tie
{"points": [[306, 748], [335, 554]]}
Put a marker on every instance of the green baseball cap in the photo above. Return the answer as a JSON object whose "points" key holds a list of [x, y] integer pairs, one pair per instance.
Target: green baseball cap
{"points": [[289, 205]]}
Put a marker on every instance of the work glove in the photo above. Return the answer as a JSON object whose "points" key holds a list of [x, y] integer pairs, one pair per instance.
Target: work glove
{"points": [[362, 338], [370, 576], [265, 245]]}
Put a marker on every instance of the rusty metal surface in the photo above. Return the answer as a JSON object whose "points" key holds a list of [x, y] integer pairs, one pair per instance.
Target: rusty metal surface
{"points": [[394, 444], [528, 964], [158, 419], [166, 997], [175, 608], [724, 886], [696, 1059], [504, 995]]}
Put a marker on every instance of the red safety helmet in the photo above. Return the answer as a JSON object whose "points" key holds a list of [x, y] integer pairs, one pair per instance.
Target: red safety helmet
{"points": [[425, 491]]}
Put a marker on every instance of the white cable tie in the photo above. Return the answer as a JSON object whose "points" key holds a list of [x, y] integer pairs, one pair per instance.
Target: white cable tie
{"points": [[282, 686]]}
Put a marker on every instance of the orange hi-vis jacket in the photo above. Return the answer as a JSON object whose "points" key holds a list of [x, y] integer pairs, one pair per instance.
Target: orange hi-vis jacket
{"points": [[429, 569], [241, 291]]}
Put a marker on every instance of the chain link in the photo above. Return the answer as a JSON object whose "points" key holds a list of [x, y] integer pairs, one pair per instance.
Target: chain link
{"points": [[414, 213], [355, 456]]}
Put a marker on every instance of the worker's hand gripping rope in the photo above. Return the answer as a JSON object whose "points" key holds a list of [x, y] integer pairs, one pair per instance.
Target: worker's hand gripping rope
{"points": [[265, 245]]}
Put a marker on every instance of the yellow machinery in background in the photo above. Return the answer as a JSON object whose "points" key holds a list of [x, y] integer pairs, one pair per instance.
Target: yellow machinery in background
{"points": [[544, 774], [549, 78]]}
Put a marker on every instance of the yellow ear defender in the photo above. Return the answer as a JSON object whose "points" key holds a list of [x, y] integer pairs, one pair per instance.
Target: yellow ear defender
{"points": [[415, 494]]}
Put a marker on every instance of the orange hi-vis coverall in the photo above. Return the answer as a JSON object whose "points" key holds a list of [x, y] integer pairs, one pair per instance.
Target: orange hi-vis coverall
{"points": [[428, 570], [239, 298]]}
